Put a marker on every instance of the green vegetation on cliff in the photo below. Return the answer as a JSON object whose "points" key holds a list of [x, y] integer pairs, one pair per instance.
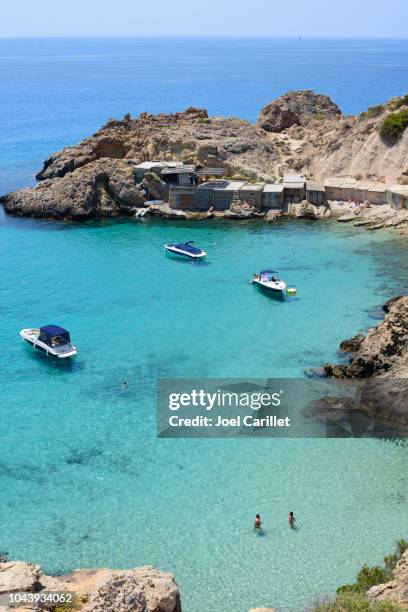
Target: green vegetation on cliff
{"points": [[355, 602], [352, 597], [373, 111], [394, 125]]}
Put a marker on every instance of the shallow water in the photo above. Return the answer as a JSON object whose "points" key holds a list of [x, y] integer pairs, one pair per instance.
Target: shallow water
{"points": [[85, 481]]}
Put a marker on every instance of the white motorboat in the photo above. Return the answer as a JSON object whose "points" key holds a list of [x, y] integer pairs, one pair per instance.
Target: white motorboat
{"points": [[51, 340], [185, 249], [269, 281]]}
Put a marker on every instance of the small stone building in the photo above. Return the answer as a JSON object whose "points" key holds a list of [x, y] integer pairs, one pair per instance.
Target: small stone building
{"points": [[218, 194], [293, 188], [397, 197], [183, 197], [252, 194], [272, 196], [315, 193]]}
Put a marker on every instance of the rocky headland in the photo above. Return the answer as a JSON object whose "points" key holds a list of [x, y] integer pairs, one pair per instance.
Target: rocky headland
{"points": [[143, 589], [299, 132], [378, 363]]}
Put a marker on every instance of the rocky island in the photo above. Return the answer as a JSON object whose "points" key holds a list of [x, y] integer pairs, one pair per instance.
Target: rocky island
{"points": [[300, 132]]}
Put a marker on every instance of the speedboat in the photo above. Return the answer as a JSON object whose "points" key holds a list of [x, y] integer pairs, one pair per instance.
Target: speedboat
{"points": [[50, 339], [269, 281], [185, 249]]}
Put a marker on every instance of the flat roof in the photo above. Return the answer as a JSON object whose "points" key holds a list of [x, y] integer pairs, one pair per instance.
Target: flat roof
{"points": [[340, 182], [399, 189], [273, 188], [313, 186], [293, 178], [223, 185], [150, 164], [213, 171], [178, 169], [158, 164], [293, 185], [252, 187]]}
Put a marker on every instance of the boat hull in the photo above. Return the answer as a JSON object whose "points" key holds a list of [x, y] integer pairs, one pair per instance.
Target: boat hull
{"points": [[30, 338], [281, 293], [185, 253]]}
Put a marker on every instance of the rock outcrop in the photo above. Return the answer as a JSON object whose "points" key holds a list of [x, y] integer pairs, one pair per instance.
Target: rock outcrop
{"points": [[397, 589], [379, 361], [299, 132], [296, 108], [384, 349], [143, 589], [102, 188]]}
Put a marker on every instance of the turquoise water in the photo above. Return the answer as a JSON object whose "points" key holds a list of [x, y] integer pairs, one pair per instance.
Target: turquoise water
{"points": [[85, 481], [54, 92]]}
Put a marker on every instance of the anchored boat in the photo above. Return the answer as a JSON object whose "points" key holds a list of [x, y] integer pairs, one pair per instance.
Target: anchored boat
{"points": [[269, 281], [185, 249], [50, 339]]}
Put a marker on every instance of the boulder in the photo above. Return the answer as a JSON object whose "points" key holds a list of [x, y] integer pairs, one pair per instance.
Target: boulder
{"points": [[241, 210], [352, 344], [19, 576], [273, 215], [296, 108], [142, 589]]}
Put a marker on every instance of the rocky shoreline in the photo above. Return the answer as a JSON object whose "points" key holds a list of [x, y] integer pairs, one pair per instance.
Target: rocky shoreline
{"points": [[378, 364], [142, 589], [300, 132]]}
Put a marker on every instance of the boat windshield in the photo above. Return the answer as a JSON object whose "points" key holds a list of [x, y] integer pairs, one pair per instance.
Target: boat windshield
{"points": [[270, 276]]}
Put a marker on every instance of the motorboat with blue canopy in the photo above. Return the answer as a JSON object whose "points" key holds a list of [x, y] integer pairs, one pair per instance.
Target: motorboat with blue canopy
{"points": [[52, 340], [269, 281], [185, 249]]}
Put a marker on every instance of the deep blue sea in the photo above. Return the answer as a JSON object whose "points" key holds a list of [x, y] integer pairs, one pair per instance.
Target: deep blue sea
{"points": [[83, 479]]}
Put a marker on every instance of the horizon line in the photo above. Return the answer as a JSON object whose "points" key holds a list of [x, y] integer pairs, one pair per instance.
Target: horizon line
{"points": [[204, 36]]}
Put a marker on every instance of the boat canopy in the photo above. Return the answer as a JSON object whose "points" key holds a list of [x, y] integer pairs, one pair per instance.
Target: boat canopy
{"points": [[269, 272], [187, 246], [49, 333]]}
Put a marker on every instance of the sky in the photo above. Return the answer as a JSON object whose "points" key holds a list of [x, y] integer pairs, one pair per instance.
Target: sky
{"points": [[332, 18]]}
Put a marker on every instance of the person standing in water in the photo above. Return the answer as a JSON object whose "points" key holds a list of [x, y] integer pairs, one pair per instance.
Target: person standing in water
{"points": [[257, 522], [291, 519]]}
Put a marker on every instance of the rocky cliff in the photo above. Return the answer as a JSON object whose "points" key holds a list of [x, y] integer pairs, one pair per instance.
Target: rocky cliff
{"points": [[143, 589], [379, 361], [397, 589], [300, 131]]}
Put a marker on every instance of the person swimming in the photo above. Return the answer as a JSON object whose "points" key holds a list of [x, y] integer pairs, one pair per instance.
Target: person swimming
{"points": [[257, 522], [291, 519], [125, 385]]}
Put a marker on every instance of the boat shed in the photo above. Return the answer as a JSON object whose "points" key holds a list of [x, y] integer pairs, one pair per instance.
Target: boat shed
{"points": [[375, 193], [252, 194], [218, 194], [397, 197], [183, 197], [148, 166], [179, 175], [272, 196], [340, 189], [293, 188], [315, 193]]}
